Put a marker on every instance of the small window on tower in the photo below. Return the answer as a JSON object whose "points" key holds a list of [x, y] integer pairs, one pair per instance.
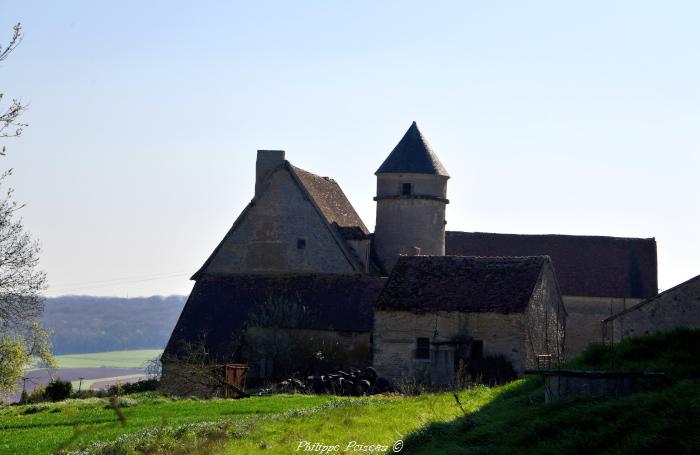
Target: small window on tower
{"points": [[422, 348], [406, 189], [301, 244]]}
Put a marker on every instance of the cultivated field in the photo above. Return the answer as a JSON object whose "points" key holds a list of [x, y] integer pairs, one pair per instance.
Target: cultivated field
{"points": [[114, 359], [98, 370]]}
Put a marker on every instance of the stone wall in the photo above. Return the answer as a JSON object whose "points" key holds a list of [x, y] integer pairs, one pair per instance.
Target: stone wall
{"points": [[427, 184], [567, 384], [406, 221], [546, 321], [266, 238], [395, 334], [676, 307], [584, 320]]}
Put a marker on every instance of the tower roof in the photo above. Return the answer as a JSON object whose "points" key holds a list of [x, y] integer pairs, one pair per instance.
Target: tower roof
{"points": [[412, 155]]}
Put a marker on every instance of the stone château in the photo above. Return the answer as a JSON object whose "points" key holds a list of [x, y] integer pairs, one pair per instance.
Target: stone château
{"points": [[300, 284]]}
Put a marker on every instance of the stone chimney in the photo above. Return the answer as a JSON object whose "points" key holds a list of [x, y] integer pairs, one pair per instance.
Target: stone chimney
{"points": [[267, 161]]}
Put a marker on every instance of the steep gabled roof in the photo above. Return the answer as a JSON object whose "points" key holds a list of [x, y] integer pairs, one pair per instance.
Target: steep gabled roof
{"points": [[220, 307], [332, 205], [586, 265], [422, 284], [331, 200], [412, 155]]}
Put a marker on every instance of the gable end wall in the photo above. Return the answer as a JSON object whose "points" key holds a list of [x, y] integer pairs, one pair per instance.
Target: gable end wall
{"points": [[265, 239], [677, 307]]}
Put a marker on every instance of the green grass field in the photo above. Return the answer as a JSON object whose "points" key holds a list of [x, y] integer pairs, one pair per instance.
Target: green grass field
{"points": [[499, 420], [45, 428], [115, 359]]}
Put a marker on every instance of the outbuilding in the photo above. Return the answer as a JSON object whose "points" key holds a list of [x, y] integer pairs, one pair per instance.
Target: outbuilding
{"points": [[439, 314]]}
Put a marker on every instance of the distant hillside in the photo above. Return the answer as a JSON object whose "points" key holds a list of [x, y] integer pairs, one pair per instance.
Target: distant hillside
{"points": [[83, 324]]}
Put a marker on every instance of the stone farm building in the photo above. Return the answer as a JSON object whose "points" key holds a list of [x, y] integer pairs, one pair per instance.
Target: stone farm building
{"points": [[671, 309], [300, 284], [436, 311]]}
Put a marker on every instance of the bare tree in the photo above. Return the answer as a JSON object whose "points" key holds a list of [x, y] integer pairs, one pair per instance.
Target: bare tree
{"points": [[190, 372], [21, 282], [9, 116]]}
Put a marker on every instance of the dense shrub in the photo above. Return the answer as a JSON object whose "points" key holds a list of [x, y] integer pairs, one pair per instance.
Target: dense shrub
{"points": [[147, 385], [489, 370], [116, 389], [58, 390], [35, 396], [677, 353], [87, 393], [36, 408]]}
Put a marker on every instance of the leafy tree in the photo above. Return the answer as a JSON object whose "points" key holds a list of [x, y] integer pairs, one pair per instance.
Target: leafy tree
{"points": [[21, 283], [13, 358]]}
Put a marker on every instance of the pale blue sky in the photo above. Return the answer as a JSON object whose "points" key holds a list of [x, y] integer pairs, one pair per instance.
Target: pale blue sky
{"points": [[551, 117]]}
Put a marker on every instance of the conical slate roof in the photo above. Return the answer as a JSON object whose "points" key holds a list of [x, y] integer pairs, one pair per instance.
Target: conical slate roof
{"points": [[412, 155]]}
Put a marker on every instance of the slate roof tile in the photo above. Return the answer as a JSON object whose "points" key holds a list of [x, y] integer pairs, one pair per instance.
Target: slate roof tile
{"points": [[592, 266], [413, 155], [421, 284]]}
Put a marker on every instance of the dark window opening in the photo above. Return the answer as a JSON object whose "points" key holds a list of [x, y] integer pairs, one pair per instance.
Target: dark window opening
{"points": [[477, 350], [422, 348], [406, 189], [301, 244]]}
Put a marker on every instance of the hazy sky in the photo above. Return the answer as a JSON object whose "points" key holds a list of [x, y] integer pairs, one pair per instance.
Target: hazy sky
{"points": [[551, 117]]}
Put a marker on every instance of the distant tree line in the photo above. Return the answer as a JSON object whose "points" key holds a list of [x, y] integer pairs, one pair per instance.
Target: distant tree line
{"points": [[83, 324]]}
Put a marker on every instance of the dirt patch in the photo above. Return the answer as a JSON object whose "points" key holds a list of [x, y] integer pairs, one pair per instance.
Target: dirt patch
{"points": [[104, 384]]}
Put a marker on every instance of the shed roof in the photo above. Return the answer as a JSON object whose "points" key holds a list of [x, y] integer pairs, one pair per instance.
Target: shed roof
{"points": [[586, 265], [423, 284], [219, 307], [412, 155]]}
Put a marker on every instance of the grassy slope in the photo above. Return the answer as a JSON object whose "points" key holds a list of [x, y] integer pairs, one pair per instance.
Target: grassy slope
{"points": [[664, 421], [513, 418], [43, 432], [375, 420], [507, 419], [677, 353], [659, 421]]}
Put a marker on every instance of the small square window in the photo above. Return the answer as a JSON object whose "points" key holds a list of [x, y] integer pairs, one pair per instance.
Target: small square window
{"points": [[422, 348], [406, 189], [301, 244]]}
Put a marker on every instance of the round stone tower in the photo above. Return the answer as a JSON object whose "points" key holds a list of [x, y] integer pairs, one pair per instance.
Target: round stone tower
{"points": [[411, 199]]}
